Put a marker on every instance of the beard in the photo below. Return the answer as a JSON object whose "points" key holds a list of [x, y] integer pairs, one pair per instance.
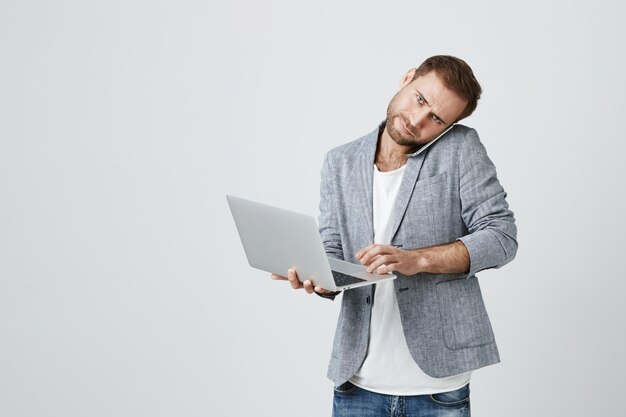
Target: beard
{"points": [[412, 137], [399, 136]]}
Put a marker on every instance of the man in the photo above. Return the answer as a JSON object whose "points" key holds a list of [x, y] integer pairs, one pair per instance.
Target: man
{"points": [[407, 347]]}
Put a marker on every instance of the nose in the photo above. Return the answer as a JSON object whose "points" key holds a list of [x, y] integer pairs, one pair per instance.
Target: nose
{"points": [[418, 115]]}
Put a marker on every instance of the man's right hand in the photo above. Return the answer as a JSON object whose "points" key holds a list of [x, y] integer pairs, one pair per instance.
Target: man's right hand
{"points": [[292, 277]]}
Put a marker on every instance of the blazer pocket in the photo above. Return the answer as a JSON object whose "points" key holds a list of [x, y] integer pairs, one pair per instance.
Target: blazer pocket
{"points": [[423, 182], [431, 195], [464, 319]]}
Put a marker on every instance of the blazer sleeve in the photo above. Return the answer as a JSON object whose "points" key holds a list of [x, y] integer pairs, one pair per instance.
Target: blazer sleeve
{"points": [[328, 217], [492, 234]]}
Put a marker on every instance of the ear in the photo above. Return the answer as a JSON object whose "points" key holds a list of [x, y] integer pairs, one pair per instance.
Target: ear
{"points": [[408, 77]]}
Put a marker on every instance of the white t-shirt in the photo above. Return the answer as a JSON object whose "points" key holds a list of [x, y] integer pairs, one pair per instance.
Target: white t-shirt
{"points": [[389, 367]]}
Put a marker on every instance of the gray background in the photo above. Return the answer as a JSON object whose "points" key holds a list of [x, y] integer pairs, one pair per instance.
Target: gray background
{"points": [[124, 290]]}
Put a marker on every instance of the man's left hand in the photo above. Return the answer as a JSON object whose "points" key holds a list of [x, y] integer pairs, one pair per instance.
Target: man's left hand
{"points": [[394, 259]]}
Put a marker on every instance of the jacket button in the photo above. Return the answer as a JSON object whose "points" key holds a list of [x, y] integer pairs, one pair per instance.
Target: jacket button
{"points": [[367, 300]]}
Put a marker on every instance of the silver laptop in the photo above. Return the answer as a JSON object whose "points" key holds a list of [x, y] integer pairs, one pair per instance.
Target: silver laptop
{"points": [[276, 240]]}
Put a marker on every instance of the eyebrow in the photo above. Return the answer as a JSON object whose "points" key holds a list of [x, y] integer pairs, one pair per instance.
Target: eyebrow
{"points": [[436, 115]]}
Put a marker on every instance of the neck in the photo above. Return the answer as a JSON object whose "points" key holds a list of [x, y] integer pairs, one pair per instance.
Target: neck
{"points": [[390, 155]]}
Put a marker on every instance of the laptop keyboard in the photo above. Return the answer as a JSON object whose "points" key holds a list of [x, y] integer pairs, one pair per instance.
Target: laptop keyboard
{"points": [[343, 279]]}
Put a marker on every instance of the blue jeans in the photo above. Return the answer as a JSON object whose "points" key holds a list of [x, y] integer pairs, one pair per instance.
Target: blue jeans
{"points": [[352, 401]]}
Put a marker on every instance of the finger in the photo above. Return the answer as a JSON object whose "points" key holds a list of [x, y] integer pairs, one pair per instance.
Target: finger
{"points": [[387, 269], [293, 279], [385, 259], [373, 258], [308, 286], [294, 273], [370, 255], [370, 260], [367, 255], [321, 290], [279, 277], [364, 250]]}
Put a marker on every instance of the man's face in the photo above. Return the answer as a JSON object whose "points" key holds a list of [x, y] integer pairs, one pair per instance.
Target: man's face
{"points": [[421, 110]]}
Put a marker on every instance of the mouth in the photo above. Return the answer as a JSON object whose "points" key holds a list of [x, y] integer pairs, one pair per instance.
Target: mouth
{"points": [[404, 128]]}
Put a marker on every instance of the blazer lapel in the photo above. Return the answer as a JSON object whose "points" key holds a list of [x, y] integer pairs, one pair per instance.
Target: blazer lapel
{"points": [[363, 171], [412, 171]]}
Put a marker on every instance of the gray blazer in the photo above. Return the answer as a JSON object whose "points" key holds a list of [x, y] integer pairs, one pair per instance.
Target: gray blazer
{"points": [[449, 192]]}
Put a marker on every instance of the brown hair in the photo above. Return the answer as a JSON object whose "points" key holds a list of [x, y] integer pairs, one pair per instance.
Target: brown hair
{"points": [[455, 75]]}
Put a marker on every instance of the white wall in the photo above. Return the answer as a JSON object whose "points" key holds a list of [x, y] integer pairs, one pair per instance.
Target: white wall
{"points": [[124, 290]]}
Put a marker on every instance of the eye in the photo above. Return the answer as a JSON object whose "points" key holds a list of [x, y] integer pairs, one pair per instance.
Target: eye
{"points": [[437, 120], [420, 99]]}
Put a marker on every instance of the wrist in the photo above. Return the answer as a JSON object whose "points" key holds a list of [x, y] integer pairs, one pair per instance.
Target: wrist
{"points": [[420, 262]]}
